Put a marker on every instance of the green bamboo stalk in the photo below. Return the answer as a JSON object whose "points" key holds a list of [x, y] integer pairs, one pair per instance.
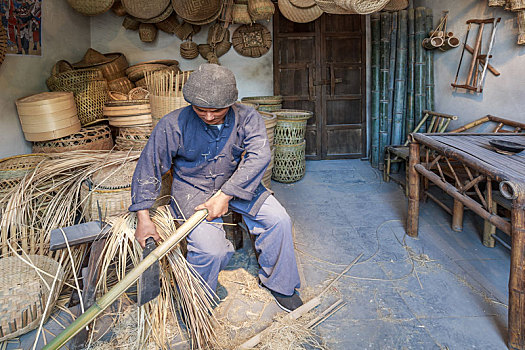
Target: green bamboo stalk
{"points": [[400, 83], [376, 36], [429, 67], [392, 76], [409, 120], [419, 67], [131, 277], [384, 61]]}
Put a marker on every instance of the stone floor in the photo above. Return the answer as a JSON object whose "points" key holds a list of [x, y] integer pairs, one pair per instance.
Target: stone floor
{"points": [[443, 290]]}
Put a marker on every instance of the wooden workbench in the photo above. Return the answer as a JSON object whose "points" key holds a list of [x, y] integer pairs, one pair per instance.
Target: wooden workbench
{"points": [[482, 165]]}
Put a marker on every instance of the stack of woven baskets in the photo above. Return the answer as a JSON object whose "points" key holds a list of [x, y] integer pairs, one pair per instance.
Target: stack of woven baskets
{"points": [[136, 72], [290, 145], [266, 103]]}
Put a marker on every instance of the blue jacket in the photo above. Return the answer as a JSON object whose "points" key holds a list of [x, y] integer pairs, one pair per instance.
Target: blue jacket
{"points": [[203, 163]]}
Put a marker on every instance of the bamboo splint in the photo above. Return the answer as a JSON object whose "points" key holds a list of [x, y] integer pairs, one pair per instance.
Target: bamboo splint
{"points": [[300, 311]]}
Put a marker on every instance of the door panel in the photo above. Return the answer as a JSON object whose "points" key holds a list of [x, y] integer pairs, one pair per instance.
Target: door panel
{"points": [[320, 67]]}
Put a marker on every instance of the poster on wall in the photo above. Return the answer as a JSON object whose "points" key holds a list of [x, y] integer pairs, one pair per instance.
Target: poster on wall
{"points": [[22, 20]]}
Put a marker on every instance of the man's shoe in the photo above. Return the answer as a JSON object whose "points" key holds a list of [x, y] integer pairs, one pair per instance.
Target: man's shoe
{"points": [[285, 302]]}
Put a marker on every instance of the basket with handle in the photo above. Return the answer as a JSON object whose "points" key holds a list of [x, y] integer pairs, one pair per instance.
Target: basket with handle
{"points": [[26, 285]]}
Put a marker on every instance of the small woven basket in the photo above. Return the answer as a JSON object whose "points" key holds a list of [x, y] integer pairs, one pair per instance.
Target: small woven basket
{"points": [[24, 291], [252, 40], [290, 164], [91, 7], [110, 187], [130, 23], [138, 93], [169, 25], [122, 84], [241, 14], [189, 50], [89, 138], [147, 32], [260, 10]]}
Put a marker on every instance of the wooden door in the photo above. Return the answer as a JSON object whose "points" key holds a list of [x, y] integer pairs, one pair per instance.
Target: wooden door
{"points": [[320, 66]]}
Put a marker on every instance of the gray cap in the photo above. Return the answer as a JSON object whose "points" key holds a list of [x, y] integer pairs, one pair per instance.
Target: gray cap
{"points": [[211, 86]]}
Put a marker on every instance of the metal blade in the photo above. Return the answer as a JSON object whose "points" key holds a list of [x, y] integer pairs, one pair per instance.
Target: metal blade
{"points": [[149, 282]]}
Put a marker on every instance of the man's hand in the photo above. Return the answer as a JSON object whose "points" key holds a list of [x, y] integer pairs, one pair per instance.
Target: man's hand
{"points": [[217, 206], [145, 228]]}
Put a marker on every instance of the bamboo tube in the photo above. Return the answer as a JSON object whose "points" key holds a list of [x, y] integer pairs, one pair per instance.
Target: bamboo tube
{"points": [[131, 277], [392, 76], [409, 120], [450, 43], [419, 67], [433, 43], [400, 83], [386, 21], [429, 67], [376, 33]]}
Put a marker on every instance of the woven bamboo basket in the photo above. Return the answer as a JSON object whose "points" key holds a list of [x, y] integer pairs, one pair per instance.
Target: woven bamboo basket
{"points": [[137, 71], [261, 10], [90, 102], [397, 5], [298, 14], [164, 15], [117, 96], [269, 108], [290, 164], [147, 32], [189, 50], [517, 5], [130, 23], [91, 7], [263, 100], [494, 3], [116, 68], [145, 9], [252, 40], [240, 14], [132, 138], [196, 11], [169, 25], [521, 27], [138, 93], [162, 105], [122, 84], [24, 292], [70, 79], [183, 31], [362, 7], [90, 138], [13, 169], [110, 187], [270, 121]]}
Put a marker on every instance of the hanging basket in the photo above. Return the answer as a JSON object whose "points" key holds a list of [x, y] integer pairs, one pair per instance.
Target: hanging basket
{"points": [[89, 138], [240, 14], [147, 32], [261, 10], [130, 23], [145, 9], [189, 50], [362, 7], [290, 164], [298, 14], [25, 289], [91, 7], [252, 41]]}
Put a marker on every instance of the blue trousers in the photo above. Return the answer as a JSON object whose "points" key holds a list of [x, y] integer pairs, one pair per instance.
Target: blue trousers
{"points": [[209, 251]]}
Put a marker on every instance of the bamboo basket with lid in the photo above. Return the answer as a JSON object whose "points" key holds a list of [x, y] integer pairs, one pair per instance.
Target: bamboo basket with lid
{"points": [[24, 292], [48, 115]]}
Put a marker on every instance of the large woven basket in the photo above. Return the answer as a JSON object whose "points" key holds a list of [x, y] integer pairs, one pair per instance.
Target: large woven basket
{"points": [[90, 102], [110, 187], [91, 7], [252, 40], [290, 164], [362, 7], [162, 105], [68, 80], [90, 138], [24, 292], [298, 14]]}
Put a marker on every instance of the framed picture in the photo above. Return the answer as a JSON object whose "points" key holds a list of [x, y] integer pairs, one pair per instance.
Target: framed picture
{"points": [[22, 20]]}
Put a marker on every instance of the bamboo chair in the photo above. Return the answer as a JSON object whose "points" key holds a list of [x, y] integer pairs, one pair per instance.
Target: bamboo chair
{"points": [[436, 123]]}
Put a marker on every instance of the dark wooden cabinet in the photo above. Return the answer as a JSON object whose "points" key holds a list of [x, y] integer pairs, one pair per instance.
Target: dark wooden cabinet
{"points": [[320, 66]]}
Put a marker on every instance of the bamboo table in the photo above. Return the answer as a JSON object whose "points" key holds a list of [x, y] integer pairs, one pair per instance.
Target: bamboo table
{"points": [[482, 164]]}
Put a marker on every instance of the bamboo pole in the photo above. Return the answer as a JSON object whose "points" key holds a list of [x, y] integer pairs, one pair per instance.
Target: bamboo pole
{"points": [[131, 277], [376, 34], [419, 66], [429, 66], [413, 190], [409, 120], [400, 86], [386, 21], [392, 76]]}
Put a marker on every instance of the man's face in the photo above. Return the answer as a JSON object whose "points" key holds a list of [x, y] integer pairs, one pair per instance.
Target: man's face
{"points": [[212, 116]]}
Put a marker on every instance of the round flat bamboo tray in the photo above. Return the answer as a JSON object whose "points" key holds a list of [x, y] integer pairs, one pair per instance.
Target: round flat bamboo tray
{"points": [[252, 40], [137, 72], [297, 14], [24, 292], [145, 9], [89, 138], [203, 22], [132, 108], [164, 15], [290, 164], [130, 121]]}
